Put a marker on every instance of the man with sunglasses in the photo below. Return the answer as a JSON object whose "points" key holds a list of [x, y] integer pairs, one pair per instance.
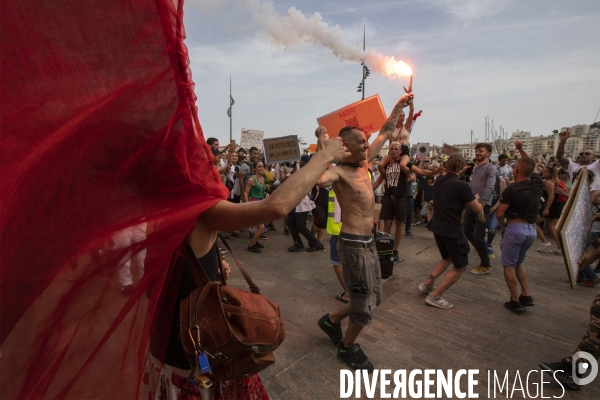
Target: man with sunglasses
{"points": [[586, 159]]}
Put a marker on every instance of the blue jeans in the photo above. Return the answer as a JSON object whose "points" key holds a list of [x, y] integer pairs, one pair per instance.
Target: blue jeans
{"points": [[410, 205], [492, 225], [475, 232], [587, 274]]}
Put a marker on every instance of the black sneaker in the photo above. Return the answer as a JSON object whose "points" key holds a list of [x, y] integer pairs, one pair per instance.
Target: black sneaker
{"points": [[260, 246], [562, 371], [295, 248], [253, 249], [334, 331], [286, 232], [526, 301], [320, 247], [516, 306], [354, 357], [409, 234], [396, 256]]}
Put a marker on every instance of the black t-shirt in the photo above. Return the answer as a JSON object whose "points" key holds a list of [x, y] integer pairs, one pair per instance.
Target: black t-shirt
{"points": [[428, 193], [186, 284], [320, 196], [395, 180], [450, 195], [523, 199], [421, 182]]}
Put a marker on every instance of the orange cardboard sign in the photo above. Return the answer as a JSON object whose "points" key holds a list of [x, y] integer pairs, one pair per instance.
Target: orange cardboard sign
{"points": [[367, 115], [312, 148]]}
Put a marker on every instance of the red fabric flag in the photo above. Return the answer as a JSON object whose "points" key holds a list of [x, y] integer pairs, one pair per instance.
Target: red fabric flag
{"points": [[104, 171]]}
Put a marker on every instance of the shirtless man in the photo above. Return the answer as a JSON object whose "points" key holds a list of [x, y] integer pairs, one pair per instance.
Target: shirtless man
{"points": [[402, 135], [356, 246], [393, 203]]}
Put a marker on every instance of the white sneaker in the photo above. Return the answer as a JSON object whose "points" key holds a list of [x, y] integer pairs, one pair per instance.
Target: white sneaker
{"points": [[440, 303], [544, 246], [425, 288]]}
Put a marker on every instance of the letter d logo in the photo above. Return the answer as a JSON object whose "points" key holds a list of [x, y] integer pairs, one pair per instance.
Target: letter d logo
{"points": [[583, 367]]}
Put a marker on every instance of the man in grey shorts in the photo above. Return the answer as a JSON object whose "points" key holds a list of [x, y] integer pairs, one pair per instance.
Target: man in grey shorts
{"points": [[362, 276], [356, 247]]}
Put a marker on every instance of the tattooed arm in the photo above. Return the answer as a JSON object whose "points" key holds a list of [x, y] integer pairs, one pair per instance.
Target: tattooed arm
{"points": [[560, 151], [388, 128]]}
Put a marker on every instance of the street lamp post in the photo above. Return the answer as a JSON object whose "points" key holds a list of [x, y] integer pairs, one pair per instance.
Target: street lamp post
{"points": [[229, 113]]}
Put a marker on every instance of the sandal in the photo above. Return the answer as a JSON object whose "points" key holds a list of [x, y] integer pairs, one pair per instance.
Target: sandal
{"points": [[340, 297]]}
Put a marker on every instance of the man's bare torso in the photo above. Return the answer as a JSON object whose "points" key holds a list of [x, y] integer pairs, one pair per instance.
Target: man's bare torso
{"points": [[354, 193]]}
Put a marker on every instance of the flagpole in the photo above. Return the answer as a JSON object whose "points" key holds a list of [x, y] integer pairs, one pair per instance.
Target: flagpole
{"points": [[230, 113], [363, 81]]}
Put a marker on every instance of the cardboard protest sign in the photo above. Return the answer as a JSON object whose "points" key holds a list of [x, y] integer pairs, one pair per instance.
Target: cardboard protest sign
{"points": [[251, 138], [367, 115], [449, 150], [575, 224], [281, 149], [422, 150]]}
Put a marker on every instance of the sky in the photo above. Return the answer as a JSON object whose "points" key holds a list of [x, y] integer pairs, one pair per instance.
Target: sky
{"points": [[528, 65]]}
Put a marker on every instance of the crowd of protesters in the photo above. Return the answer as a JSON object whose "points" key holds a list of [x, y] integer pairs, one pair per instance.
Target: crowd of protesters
{"points": [[460, 201], [408, 201]]}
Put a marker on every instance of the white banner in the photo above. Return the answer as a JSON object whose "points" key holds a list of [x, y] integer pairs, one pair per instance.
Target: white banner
{"points": [[251, 138], [422, 150]]}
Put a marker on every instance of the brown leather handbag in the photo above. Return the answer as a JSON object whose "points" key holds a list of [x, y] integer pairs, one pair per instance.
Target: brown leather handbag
{"points": [[238, 330]]}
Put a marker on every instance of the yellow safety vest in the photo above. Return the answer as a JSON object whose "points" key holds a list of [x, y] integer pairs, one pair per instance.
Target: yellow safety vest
{"points": [[333, 228]]}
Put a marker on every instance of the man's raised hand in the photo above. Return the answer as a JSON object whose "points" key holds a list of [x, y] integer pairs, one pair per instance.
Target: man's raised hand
{"points": [[564, 135], [321, 134], [518, 144], [333, 149]]}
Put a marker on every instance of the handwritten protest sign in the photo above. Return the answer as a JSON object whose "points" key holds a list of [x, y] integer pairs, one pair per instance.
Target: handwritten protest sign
{"points": [[449, 150], [575, 224], [251, 138], [281, 149], [422, 150], [367, 115]]}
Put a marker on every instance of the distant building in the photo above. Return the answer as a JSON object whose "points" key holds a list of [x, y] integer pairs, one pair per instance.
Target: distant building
{"points": [[543, 146], [524, 137], [579, 130], [467, 150]]}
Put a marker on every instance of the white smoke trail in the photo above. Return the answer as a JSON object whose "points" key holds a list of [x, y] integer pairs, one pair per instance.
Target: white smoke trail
{"points": [[295, 27]]}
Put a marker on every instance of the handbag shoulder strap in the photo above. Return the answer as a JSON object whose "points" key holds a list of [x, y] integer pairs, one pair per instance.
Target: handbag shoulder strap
{"points": [[251, 285]]}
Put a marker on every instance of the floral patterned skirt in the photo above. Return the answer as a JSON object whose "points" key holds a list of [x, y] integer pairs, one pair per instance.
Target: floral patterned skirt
{"points": [[163, 382]]}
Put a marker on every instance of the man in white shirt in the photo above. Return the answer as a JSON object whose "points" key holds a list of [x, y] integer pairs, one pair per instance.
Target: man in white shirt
{"points": [[586, 159]]}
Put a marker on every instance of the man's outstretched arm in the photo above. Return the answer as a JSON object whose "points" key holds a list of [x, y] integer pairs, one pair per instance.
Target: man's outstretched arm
{"points": [[388, 128], [560, 151]]}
